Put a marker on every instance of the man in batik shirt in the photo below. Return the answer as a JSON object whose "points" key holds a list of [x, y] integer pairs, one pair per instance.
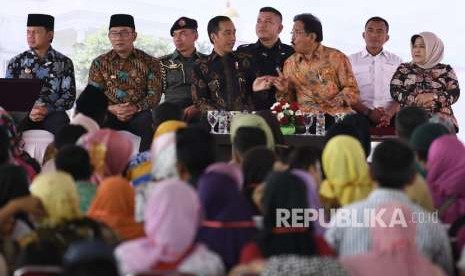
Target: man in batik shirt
{"points": [[130, 79], [318, 77], [54, 69], [224, 79]]}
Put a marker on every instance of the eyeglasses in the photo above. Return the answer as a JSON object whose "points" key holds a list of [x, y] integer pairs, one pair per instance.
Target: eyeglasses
{"points": [[298, 33], [123, 34]]}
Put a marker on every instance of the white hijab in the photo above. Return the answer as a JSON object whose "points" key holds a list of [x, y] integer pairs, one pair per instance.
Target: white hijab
{"points": [[434, 49]]}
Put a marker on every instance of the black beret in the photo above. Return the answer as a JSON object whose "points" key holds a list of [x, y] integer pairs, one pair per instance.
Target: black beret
{"points": [[41, 20], [122, 20], [183, 23]]}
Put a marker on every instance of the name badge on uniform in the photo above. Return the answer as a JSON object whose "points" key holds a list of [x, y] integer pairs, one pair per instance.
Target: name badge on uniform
{"points": [[27, 70], [112, 77], [237, 65], [48, 63]]}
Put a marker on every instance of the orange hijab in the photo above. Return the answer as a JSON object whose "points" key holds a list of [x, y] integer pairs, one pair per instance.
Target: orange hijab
{"points": [[114, 205]]}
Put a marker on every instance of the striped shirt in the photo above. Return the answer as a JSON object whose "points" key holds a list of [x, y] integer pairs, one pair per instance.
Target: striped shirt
{"points": [[432, 239]]}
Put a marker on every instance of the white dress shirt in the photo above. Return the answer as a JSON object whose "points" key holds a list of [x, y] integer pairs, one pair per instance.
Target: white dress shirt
{"points": [[431, 238], [374, 74]]}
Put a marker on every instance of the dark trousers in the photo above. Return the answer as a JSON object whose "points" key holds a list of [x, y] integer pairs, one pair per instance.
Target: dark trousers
{"points": [[140, 124], [53, 122]]}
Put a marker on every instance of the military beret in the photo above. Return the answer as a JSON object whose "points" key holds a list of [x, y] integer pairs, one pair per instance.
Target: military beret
{"points": [[183, 23]]}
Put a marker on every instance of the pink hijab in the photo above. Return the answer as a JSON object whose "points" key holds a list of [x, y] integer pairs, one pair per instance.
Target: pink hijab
{"points": [[171, 222], [393, 248], [109, 152], [446, 175]]}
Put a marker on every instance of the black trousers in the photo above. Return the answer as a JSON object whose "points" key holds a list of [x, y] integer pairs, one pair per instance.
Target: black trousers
{"points": [[141, 124], [53, 122]]}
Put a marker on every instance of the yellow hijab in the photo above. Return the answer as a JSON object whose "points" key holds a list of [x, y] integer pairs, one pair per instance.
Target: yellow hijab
{"points": [[169, 126], [59, 196], [347, 174], [252, 120]]}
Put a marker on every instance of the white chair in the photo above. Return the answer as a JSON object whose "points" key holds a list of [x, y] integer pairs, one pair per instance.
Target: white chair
{"points": [[36, 142], [134, 139]]}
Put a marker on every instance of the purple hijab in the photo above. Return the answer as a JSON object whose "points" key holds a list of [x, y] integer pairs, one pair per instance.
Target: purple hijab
{"points": [[312, 195], [446, 175], [227, 216]]}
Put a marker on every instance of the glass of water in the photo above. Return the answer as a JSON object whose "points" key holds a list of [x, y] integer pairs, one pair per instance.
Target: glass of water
{"points": [[212, 116]]}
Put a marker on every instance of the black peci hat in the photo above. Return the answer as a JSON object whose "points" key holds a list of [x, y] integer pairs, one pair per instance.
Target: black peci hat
{"points": [[41, 20], [122, 20]]}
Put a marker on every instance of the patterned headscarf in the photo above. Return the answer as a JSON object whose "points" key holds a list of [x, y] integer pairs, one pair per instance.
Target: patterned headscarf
{"points": [[114, 205], [59, 196], [17, 143], [347, 174], [171, 221], [109, 152]]}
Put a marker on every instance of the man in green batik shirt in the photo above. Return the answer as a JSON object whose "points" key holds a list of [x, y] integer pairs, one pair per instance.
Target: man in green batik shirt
{"points": [[130, 79]]}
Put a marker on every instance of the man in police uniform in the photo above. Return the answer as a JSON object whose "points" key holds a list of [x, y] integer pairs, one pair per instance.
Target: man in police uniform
{"points": [[268, 53], [176, 68], [54, 69]]}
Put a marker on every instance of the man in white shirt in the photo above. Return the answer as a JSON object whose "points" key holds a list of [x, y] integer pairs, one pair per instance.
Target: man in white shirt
{"points": [[393, 168], [373, 68]]}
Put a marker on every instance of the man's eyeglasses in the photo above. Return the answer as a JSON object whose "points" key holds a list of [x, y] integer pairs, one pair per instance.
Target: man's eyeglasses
{"points": [[298, 33], [123, 34]]}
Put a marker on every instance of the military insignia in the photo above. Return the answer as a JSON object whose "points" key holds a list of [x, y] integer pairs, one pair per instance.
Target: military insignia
{"points": [[27, 70], [264, 54], [237, 65], [48, 63], [182, 23]]}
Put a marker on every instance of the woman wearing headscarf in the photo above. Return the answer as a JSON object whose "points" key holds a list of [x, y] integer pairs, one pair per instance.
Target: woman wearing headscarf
{"points": [[63, 222], [18, 155], [425, 82], [227, 216], [140, 167], [171, 219], [285, 190], [347, 173], [14, 184], [251, 120], [114, 205], [446, 176], [109, 152], [393, 248]]}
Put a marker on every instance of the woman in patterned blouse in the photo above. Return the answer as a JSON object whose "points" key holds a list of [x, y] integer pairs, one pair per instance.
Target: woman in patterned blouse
{"points": [[425, 82]]}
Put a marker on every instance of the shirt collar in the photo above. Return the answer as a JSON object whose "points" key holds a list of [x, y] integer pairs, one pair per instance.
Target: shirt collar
{"points": [[366, 54], [176, 54], [114, 55], [215, 55], [383, 193], [315, 55], [49, 55], [276, 46]]}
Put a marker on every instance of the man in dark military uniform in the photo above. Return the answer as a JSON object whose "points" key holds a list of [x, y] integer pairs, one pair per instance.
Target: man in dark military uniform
{"points": [[268, 53], [176, 68], [54, 69]]}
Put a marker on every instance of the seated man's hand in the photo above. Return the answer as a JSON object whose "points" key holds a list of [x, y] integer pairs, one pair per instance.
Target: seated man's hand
{"points": [[262, 83], [38, 113], [123, 112], [376, 114]]}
